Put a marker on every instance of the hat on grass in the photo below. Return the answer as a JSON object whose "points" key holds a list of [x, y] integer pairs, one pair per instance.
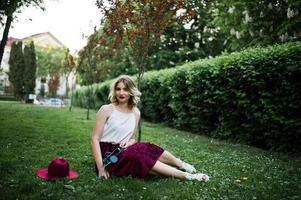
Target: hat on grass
{"points": [[58, 169]]}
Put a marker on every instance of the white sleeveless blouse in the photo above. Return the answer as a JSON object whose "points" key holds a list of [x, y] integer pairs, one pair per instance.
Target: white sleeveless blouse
{"points": [[119, 127]]}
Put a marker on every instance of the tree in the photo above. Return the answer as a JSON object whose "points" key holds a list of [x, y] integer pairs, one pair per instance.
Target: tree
{"points": [[42, 89], [248, 23], [7, 9], [49, 60], [184, 41], [17, 68], [53, 84], [181, 41], [69, 66], [30, 69], [50, 63], [102, 56], [87, 66], [139, 23]]}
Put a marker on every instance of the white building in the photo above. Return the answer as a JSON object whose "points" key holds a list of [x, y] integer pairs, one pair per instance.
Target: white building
{"points": [[40, 39], [4, 67]]}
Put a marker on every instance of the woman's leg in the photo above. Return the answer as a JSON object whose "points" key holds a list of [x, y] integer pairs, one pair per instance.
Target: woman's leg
{"points": [[166, 170], [170, 159]]}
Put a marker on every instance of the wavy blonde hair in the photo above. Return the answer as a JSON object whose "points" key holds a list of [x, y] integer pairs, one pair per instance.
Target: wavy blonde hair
{"points": [[130, 86]]}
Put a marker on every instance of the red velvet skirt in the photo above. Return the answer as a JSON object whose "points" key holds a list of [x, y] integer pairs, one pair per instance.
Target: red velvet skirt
{"points": [[137, 160]]}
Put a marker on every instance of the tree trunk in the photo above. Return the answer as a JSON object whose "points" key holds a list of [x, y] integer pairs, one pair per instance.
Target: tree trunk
{"points": [[72, 88], [140, 75], [71, 98], [139, 107], [66, 85], [5, 35], [89, 102], [88, 111]]}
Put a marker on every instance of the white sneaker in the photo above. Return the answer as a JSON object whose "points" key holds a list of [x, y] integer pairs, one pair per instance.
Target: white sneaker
{"points": [[187, 167], [198, 177]]}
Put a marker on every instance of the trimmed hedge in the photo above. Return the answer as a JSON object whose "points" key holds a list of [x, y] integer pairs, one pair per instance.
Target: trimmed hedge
{"points": [[253, 96], [8, 98], [99, 95]]}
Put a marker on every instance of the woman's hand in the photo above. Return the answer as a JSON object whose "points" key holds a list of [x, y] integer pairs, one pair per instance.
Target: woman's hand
{"points": [[127, 144], [103, 173]]}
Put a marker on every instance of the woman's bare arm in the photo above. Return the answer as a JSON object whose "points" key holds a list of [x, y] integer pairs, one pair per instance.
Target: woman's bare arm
{"points": [[101, 118]]}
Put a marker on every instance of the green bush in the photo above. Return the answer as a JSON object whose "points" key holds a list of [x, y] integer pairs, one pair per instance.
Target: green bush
{"points": [[253, 96], [98, 95], [8, 98], [156, 96]]}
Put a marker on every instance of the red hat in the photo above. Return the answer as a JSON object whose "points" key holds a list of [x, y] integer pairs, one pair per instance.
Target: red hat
{"points": [[58, 169]]}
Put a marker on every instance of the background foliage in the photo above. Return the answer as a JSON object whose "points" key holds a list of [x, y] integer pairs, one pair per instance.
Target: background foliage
{"points": [[252, 96], [16, 63], [49, 60], [30, 68], [22, 72], [215, 27], [257, 23]]}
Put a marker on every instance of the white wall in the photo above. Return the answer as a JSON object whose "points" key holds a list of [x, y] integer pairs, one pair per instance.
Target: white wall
{"points": [[61, 89]]}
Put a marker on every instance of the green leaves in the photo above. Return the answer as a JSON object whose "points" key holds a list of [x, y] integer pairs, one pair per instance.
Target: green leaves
{"points": [[30, 69], [257, 23], [252, 96], [22, 72], [17, 69], [49, 60], [69, 187]]}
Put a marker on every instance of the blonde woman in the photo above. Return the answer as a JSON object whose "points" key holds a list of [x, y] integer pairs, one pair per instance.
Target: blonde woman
{"points": [[116, 125]]}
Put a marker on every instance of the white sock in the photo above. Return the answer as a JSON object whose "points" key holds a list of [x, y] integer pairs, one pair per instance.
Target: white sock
{"points": [[188, 167], [198, 177]]}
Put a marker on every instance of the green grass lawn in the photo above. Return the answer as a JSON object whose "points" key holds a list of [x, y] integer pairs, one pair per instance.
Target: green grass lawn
{"points": [[30, 136]]}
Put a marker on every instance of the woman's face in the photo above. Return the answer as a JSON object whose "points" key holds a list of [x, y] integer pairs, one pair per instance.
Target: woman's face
{"points": [[122, 93]]}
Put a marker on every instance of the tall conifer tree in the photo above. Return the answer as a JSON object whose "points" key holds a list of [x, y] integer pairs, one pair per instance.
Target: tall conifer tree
{"points": [[17, 68], [12, 64], [30, 69]]}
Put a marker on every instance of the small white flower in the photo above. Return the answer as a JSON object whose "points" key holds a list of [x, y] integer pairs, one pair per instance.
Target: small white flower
{"points": [[251, 33], [196, 44], [180, 12], [171, 63], [248, 18], [270, 6], [189, 24], [238, 35], [290, 13], [232, 31], [283, 37], [231, 10]]}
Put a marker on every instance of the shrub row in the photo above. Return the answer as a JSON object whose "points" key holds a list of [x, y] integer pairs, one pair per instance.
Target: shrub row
{"points": [[253, 96], [8, 98]]}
